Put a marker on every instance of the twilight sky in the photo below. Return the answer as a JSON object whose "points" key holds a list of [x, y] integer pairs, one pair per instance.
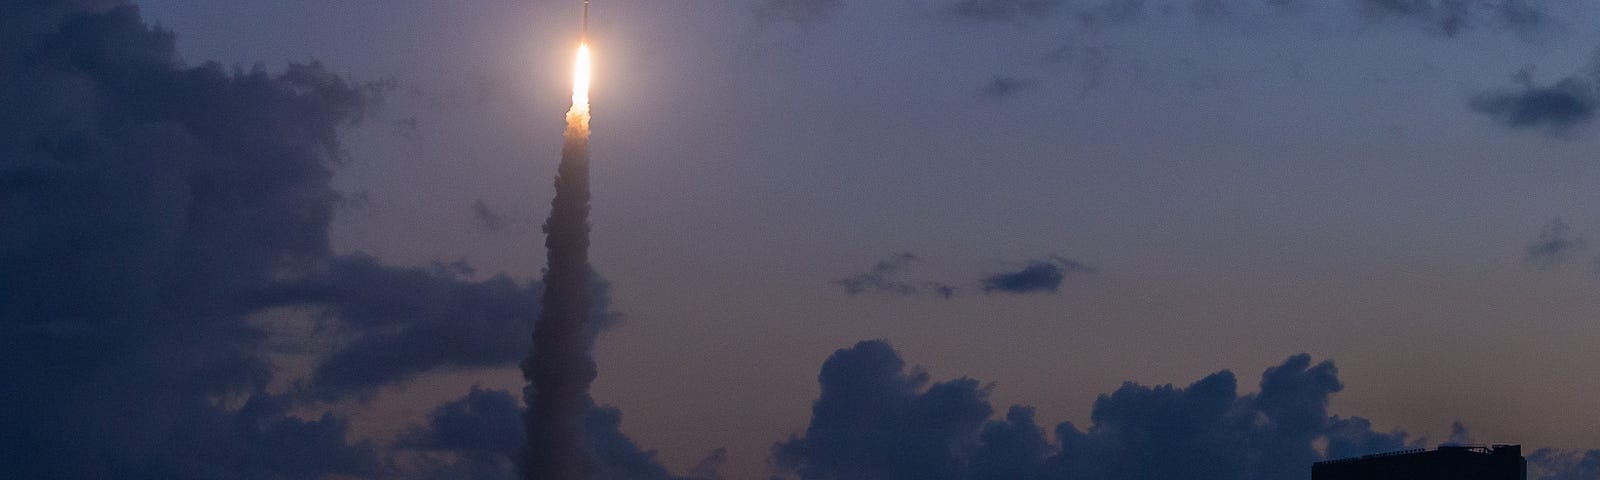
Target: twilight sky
{"points": [[1055, 196]]}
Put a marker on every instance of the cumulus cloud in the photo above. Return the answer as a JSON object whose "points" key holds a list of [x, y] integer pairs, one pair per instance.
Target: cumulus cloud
{"points": [[875, 418], [1038, 276], [1354, 437], [482, 422], [143, 199], [154, 209], [1556, 108]]}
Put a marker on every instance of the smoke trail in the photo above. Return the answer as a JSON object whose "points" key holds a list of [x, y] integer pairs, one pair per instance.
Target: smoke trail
{"points": [[560, 370]]}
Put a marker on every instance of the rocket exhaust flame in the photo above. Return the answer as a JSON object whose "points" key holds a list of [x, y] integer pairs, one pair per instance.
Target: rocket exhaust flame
{"points": [[582, 74], [560, 369]]}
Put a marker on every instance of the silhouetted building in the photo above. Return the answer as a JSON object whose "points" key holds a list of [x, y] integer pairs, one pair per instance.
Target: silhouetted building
{"points": [[1449, 462]]}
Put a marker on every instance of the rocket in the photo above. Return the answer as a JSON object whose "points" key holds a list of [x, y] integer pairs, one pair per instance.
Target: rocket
{"points": [[585, 35]]}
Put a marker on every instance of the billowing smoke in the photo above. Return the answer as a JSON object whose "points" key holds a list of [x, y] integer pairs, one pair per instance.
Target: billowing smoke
{"points": [[160, 217], [560, 369]]}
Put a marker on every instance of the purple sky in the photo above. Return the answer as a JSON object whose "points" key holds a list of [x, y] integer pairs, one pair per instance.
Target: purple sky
{"points": [[1245, 185]]}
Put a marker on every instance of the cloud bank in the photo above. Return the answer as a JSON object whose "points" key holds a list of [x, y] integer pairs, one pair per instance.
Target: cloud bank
{"points": [[876, 418]]}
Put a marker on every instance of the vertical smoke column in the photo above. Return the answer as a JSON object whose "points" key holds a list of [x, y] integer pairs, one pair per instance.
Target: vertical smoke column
{"points": [[560, 370]]}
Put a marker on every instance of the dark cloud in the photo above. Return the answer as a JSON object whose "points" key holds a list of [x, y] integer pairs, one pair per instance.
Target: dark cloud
{"points": [[1552, 464], [1002, 87], [1553, 245], [1459, 435], [1452, 17], [1038, 276], [142, 199], [487, 218], [484, 432], [483, 421], [407, 321], [154, 211], [877, 419], [1354, 437], [804, 12], [1011, 449], [1206, 430], [1556, 108], [710, 466], [1003, 10], [881, 279]]}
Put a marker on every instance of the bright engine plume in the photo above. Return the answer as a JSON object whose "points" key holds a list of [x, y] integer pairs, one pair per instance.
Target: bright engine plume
{"points": [[582, 74]]}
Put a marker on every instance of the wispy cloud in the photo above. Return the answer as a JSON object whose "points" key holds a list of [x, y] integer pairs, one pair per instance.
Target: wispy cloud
{"points": [[1554, 244], [1556, 108], [1038, 276]]}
